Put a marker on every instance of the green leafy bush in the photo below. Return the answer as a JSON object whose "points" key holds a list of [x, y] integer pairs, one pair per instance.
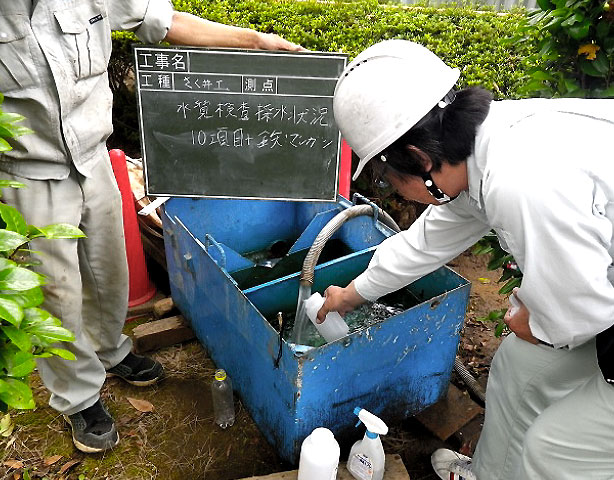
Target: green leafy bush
{"points": [[576, 49], [27, 331], [463, 37], [472, 40]]}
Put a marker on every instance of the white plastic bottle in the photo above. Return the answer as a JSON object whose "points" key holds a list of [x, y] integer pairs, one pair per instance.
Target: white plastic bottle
{"points": [[333, 327], [223, 404], [366, 460], [319, 456]]}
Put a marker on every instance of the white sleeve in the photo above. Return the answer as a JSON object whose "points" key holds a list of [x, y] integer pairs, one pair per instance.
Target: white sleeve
{"points": [[150, 20], [440, 234], [551, 213]]}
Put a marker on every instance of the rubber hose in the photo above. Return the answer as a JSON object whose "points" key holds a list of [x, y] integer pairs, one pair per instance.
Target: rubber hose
{"points": [[307, 273], [471, 382]]}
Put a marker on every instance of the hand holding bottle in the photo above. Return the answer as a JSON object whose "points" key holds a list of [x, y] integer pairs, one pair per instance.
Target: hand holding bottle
{"points": [[341, 300]]}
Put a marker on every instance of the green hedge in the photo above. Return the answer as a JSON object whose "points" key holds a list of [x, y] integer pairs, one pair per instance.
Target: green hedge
{"points": [[475, 41]]}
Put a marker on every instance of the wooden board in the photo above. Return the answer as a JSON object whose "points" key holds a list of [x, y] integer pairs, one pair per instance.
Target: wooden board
{"points": [[395, 470], [161, 333], [450, 414]]}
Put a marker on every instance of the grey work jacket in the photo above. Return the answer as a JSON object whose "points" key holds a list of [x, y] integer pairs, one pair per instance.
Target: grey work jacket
{"points": [[53, 70], [541, 176]]}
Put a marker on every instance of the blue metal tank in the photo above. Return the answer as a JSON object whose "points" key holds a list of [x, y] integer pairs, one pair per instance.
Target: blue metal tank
{"points": [[394, 368]]}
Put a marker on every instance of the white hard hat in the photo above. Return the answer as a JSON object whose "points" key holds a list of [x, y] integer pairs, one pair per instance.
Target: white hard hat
{"points": [[385, 91]]}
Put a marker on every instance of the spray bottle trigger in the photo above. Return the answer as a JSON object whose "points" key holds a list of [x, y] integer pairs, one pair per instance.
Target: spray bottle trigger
{"points": [[358, 423]]}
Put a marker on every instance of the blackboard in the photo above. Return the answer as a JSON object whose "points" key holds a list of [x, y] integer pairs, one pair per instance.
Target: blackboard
{"points": [[238, 123]]}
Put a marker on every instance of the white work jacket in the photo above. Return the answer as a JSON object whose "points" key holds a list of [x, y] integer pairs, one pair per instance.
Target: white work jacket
{"points": [[541, 176], [53, 70]]}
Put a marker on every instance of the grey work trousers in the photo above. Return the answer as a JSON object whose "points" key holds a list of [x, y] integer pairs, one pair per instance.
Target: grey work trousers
{"points": [[549, 415], [87, 279]]}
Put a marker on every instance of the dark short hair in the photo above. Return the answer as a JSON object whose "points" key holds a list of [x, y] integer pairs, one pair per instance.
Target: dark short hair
{"points": [[445, 134]]}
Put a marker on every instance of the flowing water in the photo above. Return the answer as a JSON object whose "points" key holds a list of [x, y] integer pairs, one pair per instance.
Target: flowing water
{"points": [[301, 321]]}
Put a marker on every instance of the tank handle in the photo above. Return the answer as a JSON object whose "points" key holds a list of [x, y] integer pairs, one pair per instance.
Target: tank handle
{"points": [[357, 196], [209, 240], [386, 219]]}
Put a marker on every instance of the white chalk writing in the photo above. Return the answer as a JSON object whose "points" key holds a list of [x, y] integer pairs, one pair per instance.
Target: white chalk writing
{"points": [[266, 139]]}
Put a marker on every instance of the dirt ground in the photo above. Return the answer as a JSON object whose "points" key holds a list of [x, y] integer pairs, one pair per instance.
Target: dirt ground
{"points": [[167, 431]]}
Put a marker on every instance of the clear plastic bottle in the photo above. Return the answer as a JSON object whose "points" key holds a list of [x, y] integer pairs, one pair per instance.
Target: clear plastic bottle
{"points": [[223, 404]]}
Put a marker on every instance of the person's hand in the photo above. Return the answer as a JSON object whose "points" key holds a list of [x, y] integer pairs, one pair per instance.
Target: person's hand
{"points": [[517, 320], [270, 41], [188, 29], [342, 300]]}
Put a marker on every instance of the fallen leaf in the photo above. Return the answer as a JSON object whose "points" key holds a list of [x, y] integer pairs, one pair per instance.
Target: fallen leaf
{"points": [[13, 464], [6, 426], [483, 280], [141, 405], [51, 460], [68, 465]]}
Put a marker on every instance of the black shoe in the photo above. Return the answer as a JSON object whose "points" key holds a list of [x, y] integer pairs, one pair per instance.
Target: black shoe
{"points": [[137, 370], [93, 429]]}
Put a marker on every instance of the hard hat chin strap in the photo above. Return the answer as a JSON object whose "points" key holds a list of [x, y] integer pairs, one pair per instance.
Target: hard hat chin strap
{"points": [[447, 100], [434, 190]]}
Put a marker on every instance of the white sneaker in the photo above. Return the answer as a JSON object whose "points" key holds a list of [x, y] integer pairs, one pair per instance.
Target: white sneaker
{"points": [[450, 465]]}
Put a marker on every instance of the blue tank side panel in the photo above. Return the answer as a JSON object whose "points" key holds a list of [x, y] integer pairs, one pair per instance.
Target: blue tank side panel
{"points": [[238, 339], [243, 225], [394, 369]]}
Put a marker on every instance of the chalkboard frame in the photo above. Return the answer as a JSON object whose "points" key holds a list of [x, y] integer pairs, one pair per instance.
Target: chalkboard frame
{"points": [[280, 180]]}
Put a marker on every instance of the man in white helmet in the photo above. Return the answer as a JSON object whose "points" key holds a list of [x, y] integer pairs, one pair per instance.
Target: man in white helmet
{"points": [[541, 174]]}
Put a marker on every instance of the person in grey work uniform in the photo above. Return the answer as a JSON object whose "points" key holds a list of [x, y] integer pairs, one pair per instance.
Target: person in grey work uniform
{"points": [[541, 174], [53, 70]]}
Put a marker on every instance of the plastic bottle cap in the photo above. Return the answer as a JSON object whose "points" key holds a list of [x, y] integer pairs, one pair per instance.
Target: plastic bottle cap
{"points": [[220, 375], [322, 435]]}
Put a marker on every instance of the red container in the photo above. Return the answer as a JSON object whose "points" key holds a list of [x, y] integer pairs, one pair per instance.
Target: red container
{"points": [[345, 170], [141, 289]]}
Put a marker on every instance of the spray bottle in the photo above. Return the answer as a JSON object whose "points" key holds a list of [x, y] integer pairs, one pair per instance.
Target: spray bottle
{"points": [[366, 460]]}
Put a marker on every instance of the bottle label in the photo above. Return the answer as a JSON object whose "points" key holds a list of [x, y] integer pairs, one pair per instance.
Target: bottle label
{"points": [[361, 467]]}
